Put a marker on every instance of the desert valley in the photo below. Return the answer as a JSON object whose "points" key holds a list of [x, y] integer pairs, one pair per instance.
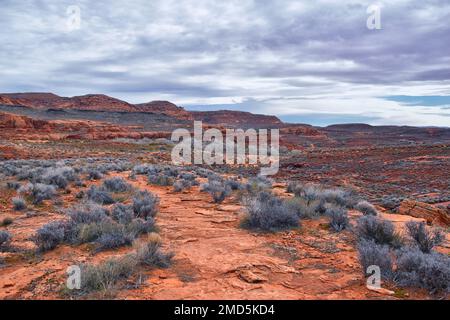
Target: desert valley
{"points": [[88, 181]]}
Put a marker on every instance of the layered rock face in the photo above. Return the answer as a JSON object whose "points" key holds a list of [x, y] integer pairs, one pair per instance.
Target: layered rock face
{"points": [[430, 213], [236, 118], [165, 107]]}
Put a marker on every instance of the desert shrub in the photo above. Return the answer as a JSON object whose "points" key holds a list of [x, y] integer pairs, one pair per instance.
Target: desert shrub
{"points": [[312, 192], [160, 179], [366, 208], [267, 212], [143, 169], [122, 213], [112, 235], [423, 238], [58, 176], [6, 222], [140, 226], [38, 192], [378, 230], [233, 184], [94, 174], [150, 254], [99, 195], [87, 213], [187, 176], [371, 253], [5, 237], [19, 203], [50, 235], [307, 209], [104, 276], [256, 185], [338, 218], [13, 185], [180, 185], [116, 184], [391, 202], [145, 205], [430, 271], [218, 190]]}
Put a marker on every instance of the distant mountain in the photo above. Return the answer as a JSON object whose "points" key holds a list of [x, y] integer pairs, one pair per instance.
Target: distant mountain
{"points": [[165, 107], [236, 118], [104, 103]]}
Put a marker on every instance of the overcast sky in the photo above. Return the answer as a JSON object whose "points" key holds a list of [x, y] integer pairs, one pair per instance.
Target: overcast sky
{"points": [[304, 61]]}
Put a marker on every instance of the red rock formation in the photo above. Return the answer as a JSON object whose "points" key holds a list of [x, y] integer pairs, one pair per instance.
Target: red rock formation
{"points": [[236, 118], [425, 211], [165, 107]]}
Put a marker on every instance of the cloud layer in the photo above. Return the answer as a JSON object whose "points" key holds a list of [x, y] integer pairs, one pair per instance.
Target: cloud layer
{"points": [[305, 60]]}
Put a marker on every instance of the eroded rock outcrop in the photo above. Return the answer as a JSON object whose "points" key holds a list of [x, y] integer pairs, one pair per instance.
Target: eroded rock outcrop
{"points": [[425, 211]]}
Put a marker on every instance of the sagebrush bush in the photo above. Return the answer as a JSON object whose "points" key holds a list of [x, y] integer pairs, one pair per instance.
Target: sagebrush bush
{"points": [[378, 230], [371, 253], [218, 190], [430, 271], [233, 184], [149, 254], [13, 185], [99, 195], [145, 205], [38, 192], [308, 209], [423, 238], [6, 222], [59, 176], [267, 212], [116, 184], [19, 203], [87, 213], [104, 276], [122, 213], [5, 237], [50, 235], [366, 208], [161, 179], [338, 218], [113, 235], [94, 174]]}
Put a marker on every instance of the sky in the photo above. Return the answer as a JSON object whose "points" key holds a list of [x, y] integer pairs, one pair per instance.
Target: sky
{"points": [[304, 61]]}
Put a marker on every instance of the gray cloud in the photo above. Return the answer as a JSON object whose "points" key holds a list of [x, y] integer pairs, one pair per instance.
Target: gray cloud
{"points": [[288, 57]]}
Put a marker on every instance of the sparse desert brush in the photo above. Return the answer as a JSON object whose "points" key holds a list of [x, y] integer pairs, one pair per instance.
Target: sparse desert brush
{"points": [[160, 179], [258, 184], [116, 184], [99, 195], [372, 254], [391, 202], [112, 235], [6, 222], [104, 276], [149, 254], [430, 271], [145, 205], [233, 184], [267, 212], [338, 218], [59, 176], [38, 192], [5, 237], [87, 213], [50, 235], [143, 169], [307, 209], [19, 203], [424, 239], [13, 185], [94, 174], [366, 208], [312, 192], [378, 230], [122, 213], [218, 190]]}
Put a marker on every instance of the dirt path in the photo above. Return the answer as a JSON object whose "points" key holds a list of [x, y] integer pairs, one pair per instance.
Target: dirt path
{"points": [[215, 259]]}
